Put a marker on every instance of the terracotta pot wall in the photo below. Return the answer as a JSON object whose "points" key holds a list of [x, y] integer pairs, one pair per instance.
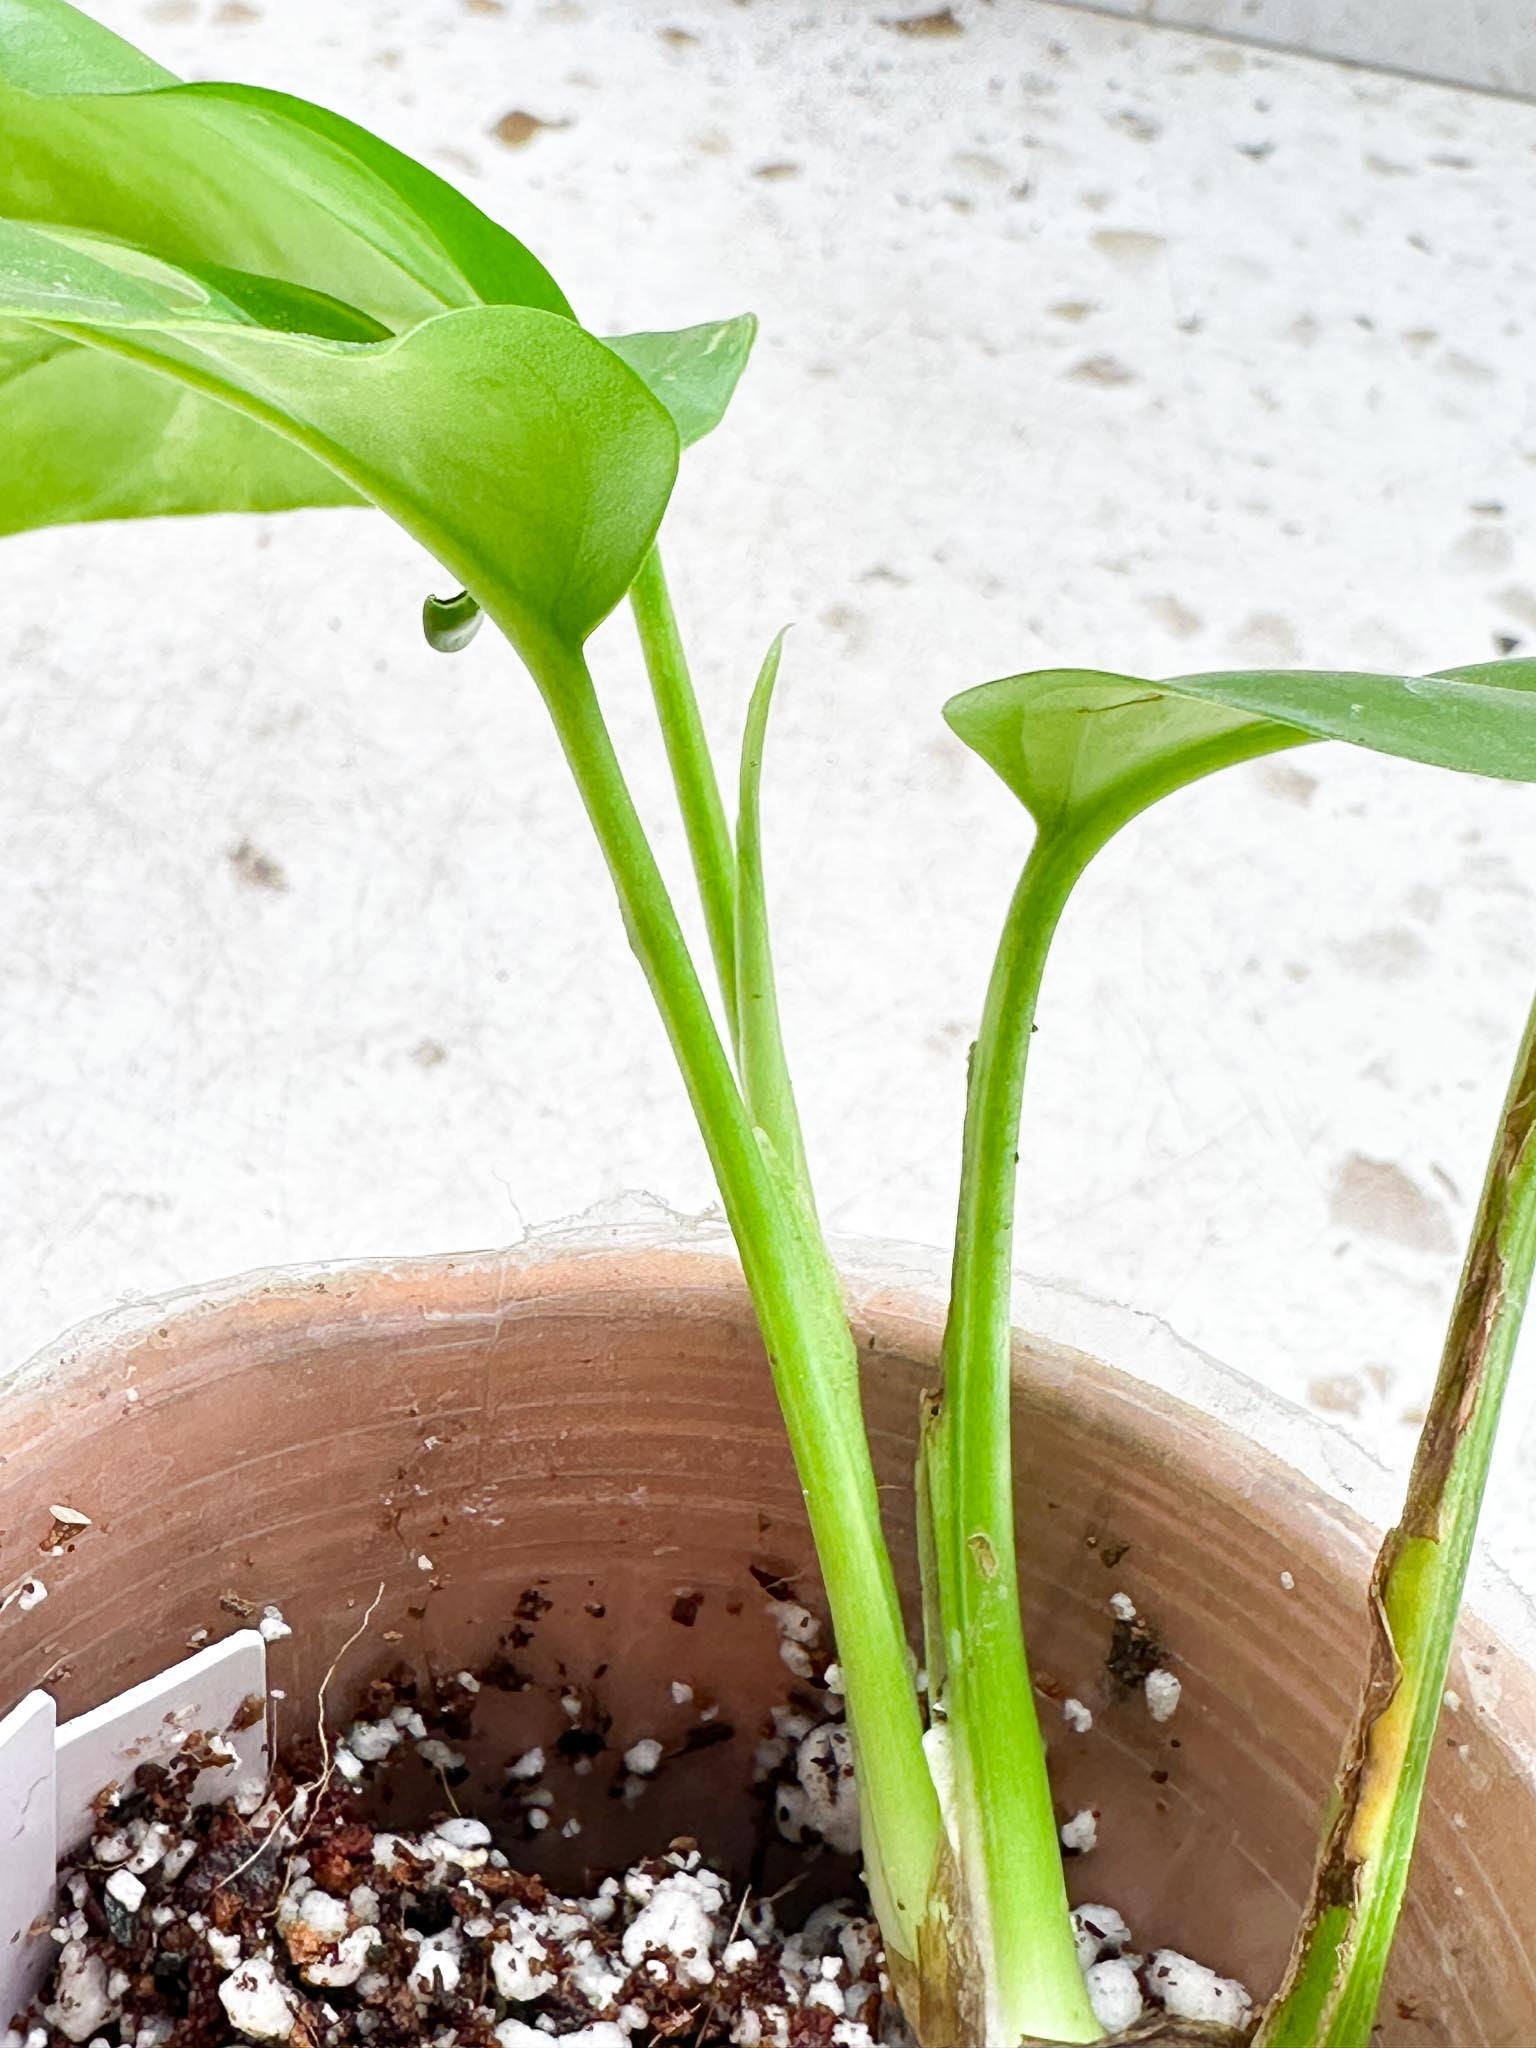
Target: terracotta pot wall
{"points": [[601, 1432]]}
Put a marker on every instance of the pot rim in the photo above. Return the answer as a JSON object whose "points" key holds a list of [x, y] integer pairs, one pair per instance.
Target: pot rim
{"points": [[878, 1273]]}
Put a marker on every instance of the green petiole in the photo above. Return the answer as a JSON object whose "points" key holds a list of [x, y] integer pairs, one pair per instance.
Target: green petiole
{"points": [[1004, 1821], [810, 1349]]}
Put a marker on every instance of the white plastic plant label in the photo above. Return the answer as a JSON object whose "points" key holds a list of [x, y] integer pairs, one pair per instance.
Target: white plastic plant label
{"points": [[220, 1694], [28, 1849]]}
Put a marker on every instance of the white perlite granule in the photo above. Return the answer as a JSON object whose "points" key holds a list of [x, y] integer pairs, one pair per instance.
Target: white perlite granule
{"points": [[127, 1889], [520, 1965], [600, 2034], [642, 1757], [462, 1835], [1099, 1932], [678, 1921], [1122, 1606], [825, 1798], [1077, 1717], [372, 1741], [797, 1623], [1081, 1832], [437, 1965], [1163, 1690], [258, 2003], [82, 2002], [1190, 1991], [351, 1959], [1114, 1993]]}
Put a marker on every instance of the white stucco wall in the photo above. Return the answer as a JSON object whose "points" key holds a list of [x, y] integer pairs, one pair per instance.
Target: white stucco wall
{"points": [[1083, 341]]}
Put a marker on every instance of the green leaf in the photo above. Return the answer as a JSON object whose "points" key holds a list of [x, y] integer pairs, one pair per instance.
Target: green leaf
{"points": [[85, 435], [258, 181], [48, 47], [693, 371], [1073, 743], [516, 447], [298, 217]]}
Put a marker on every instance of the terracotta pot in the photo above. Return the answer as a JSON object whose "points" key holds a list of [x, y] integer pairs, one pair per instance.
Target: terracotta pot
{"points": [[590, 1425]]}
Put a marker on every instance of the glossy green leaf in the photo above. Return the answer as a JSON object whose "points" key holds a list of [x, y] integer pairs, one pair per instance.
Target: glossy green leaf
{"points": [[85, 435], [1073, 743], [298, 217], [48, 47], [258, 181], [520, 450], [693, 371]]}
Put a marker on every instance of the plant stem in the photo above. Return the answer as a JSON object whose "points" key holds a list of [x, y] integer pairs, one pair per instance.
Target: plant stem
{"points": [[1011, 1871], [804, 1326], [693, 772], [1333, 1985]]}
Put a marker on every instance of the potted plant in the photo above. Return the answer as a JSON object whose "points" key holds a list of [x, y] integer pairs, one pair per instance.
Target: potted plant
{"points": [[215, 297]]}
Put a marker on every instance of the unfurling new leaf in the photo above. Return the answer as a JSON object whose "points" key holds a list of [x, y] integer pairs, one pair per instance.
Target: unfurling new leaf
{"points": [[1085, 751]]}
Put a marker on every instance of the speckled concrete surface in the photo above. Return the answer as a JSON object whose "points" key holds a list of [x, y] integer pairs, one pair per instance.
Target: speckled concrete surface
{"points": [[1082, 341], [1485, 43]]}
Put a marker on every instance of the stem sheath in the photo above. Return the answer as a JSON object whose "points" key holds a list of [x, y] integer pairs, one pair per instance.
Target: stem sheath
{"points": [[1333, 1985]]}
